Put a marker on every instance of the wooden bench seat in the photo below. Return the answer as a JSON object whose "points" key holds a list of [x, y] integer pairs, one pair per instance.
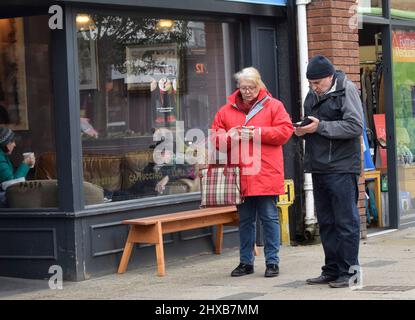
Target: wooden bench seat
{"points": [[151, 230]]}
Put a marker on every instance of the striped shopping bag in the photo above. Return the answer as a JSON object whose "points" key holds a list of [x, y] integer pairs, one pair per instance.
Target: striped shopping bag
{"points": [[220, 186]]}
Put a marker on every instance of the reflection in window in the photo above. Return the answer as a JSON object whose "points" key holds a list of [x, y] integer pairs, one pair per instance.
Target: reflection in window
{"points": [[403, 9], [139, 76], [26, 108], [404, 108]]}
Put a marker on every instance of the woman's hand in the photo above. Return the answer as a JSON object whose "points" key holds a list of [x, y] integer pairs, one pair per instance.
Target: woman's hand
{"points": [[247, 133], [30, 160], [234, 133]]}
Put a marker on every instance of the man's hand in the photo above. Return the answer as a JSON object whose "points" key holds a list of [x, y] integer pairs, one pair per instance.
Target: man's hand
{"points": [[311, 128]]}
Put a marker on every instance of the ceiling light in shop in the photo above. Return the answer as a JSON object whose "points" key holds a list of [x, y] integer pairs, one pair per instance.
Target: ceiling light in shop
{"points": [[165, 24], [83, 21]]}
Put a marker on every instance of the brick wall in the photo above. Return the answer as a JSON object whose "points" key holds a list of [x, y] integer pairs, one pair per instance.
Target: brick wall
{"points": [[329, 34]]}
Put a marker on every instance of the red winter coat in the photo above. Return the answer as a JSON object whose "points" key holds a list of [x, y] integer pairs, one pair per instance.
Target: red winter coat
{"points": [[276, 130]]}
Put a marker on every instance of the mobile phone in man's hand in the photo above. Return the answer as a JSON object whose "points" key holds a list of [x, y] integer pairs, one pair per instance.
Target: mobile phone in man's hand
{"points": [[306, 121]]}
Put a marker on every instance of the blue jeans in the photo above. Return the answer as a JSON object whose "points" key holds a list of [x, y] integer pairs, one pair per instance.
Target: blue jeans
{"points": [[266, 208], [335, 197]]}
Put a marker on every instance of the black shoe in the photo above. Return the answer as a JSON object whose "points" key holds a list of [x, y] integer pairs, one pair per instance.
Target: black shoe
{"points": [[242, 269], [323, 279], [272, 270], [342, 282]]}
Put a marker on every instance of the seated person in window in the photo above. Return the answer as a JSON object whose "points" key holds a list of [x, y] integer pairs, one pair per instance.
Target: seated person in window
{"points": [[152, 180], [7, 172], [7, 145], [157, 177]]}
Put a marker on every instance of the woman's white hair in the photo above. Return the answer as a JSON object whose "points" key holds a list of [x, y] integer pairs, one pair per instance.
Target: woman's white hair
{"points": [[250, 74]]}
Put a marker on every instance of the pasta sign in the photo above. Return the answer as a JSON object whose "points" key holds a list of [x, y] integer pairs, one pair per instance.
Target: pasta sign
{"points": [[403, 46]]}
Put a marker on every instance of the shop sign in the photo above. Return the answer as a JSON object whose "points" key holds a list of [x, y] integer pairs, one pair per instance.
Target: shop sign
{"points": [[270, 2], [200, 68], [403, 46]]}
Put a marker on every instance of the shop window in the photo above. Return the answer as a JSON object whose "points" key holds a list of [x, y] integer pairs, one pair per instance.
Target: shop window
{"points": [[404, 108], [26, 108], [373, 102], [138, 78]]}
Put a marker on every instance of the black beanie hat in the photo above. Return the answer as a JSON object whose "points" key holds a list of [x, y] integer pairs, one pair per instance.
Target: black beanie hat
{"points": [[6, 136], [319, 67]]}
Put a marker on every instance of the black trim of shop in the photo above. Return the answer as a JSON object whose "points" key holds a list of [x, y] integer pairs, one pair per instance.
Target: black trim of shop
{"points": [[87, 246], [375, 20], [150, 13], [386, 9], [66, 102], [205, 6], [402, 23], [294, 148], [390, 127], [87, 242]]}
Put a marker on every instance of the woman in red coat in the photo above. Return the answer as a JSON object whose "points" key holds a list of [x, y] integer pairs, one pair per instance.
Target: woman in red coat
{"points": [[253, 119]]}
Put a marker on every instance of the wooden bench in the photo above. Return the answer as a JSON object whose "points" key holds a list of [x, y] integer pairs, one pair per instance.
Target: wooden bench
{"points": [[151, 230]]}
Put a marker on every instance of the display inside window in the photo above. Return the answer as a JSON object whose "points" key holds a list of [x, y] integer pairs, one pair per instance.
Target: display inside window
{"points": [[403, 41], [27, 115], [138, 77], [13, 90], [375, 133]]}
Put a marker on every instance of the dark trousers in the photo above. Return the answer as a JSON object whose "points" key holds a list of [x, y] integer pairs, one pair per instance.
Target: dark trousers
{"points": [[335, 197]]}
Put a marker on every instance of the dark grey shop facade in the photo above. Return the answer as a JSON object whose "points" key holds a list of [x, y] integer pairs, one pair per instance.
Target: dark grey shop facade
{"points": [[87, 100]]}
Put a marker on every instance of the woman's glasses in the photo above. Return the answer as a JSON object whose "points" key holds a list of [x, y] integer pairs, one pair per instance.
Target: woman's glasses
{"points": [[247, 89]]}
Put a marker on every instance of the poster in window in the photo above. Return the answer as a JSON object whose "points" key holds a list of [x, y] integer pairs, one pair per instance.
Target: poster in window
{"points": [[13, 92], [155, 68], [87, 57]]}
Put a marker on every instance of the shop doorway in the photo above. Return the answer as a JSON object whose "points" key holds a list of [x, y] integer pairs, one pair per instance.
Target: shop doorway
{"points": [[375, 152]]}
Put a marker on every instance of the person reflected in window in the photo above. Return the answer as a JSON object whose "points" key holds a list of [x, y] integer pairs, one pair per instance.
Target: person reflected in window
{"points": [[7, 145]]}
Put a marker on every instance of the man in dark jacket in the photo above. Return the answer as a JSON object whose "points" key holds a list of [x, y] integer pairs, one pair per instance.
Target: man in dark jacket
{"points": [[333, 156]]}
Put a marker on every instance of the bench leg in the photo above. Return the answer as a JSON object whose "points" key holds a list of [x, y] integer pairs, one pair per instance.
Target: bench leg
{"points": [[256, 251], [219, 238], [127, 251], [160, 252]]}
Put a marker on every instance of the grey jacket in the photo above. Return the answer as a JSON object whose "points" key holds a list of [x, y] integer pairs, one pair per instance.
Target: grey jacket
{"points": [[335, 146]]}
